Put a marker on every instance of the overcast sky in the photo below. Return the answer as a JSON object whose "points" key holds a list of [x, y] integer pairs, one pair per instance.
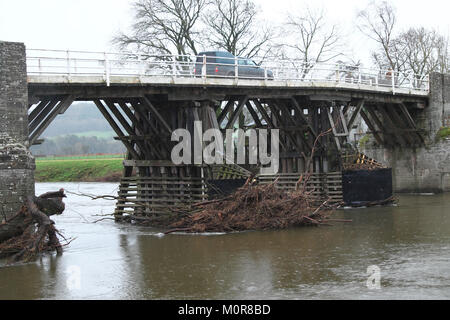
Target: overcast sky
{"points": [[90, 24]]}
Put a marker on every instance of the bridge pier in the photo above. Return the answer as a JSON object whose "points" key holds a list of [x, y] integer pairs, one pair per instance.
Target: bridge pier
{"points": [[152, 185], [16, 163], [425, 167]]}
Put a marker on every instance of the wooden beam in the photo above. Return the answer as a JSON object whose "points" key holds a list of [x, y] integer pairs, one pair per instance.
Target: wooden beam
{"points": [[263, 112], [346, 108], [399, 124], [152, 108], [87, 92], [387, 133], [225, 111], [143, 115], [42, 104], [139, 128], [410, 120], [236, 113], [124, 123], [210, 116], [281, 126], [118, 115], [64, 103], [394, 127], [359, 106], [372, 128], [138, 108], [299, 113], [116, 128], [43, 114], [253, 113], [333, 127], [295, 121], [302, 116]]}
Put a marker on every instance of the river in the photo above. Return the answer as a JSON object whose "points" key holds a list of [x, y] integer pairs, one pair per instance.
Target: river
{"points": [[405, 247]]}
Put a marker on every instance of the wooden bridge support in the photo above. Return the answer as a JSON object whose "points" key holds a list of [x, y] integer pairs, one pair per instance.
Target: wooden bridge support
{"points": [[153, 186]]}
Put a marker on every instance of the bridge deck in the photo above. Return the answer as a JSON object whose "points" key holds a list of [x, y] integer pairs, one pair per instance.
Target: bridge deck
{"points": [[219, 82], [231, 75]]}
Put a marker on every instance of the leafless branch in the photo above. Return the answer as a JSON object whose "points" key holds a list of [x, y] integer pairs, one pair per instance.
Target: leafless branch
{"points": [[163, 27], [233, 26], [315, 40], [417, 49]]}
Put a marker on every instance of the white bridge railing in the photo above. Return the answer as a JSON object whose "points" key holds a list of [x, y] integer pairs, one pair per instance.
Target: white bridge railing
{"points": [[73, 64]]}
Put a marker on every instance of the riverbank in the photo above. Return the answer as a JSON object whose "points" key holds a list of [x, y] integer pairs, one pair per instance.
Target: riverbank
{"points": [[78, 169]]}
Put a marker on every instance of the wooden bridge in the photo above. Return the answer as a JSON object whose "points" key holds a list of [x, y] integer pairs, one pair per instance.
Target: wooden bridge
{"points": [[145, 98]]}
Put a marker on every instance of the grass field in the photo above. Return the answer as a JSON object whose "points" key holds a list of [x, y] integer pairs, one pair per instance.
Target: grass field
{"points": [[82, 157], [78, 169]]}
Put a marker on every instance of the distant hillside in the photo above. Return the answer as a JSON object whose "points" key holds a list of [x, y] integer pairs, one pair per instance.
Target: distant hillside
{"points": [[81, 117], [82, 129], [74, 145]]}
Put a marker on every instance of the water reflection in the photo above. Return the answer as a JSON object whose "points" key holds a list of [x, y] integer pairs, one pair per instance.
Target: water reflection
{"points": [[410, 243]]}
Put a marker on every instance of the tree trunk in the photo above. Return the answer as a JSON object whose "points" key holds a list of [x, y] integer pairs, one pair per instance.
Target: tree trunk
{"points": [[18, 234]]}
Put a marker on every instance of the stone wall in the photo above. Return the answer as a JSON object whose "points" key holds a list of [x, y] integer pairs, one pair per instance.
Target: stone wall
{"points": [[425, 169], [16, 162], [420, 170]]}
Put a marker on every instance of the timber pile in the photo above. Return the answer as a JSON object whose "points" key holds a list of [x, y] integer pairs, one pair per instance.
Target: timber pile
{"points": [[256, 207], [31, 231], [359, 161]]}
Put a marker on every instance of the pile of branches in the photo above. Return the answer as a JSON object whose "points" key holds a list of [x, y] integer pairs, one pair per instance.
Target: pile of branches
{"points": [[359, 161], [256, 207], [260, 207], [30, 231]]}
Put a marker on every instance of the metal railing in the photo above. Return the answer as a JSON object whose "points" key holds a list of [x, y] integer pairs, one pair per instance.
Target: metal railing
{"points": [[72, 64]]}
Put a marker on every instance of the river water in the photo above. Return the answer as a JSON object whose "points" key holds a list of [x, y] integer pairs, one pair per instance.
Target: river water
{"points": [[408, 244]]}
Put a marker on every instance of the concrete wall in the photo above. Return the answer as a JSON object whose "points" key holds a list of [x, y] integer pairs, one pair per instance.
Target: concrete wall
{"points": [[425, 169], [16, 163]]}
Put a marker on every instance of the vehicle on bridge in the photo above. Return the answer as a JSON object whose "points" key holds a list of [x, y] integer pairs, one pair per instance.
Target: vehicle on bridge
{"points": [[225, 65]]}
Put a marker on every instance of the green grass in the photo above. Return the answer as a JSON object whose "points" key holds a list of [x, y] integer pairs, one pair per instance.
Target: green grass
{"points": [[78, 170], [82, 157]]}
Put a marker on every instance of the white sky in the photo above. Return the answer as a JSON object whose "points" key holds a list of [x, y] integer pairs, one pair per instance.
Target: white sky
{"points": [[90, 24]]}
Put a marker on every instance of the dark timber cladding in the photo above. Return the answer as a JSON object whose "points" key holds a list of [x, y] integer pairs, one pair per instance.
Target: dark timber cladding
{"points": [[144, 117]]}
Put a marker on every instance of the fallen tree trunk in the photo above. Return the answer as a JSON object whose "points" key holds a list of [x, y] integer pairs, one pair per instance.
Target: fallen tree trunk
{"points": [[31, 231]]}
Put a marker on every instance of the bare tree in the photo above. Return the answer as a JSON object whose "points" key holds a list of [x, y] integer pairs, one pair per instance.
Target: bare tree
{"points": [[315, 40], [421, 51], [418, 50], [444, 55], [377, 22], [164, 27], [234, 27]]}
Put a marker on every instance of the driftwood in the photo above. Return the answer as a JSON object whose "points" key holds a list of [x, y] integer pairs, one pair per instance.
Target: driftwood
{"points": [[259, 207], [256, 207], [31, 231]]}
